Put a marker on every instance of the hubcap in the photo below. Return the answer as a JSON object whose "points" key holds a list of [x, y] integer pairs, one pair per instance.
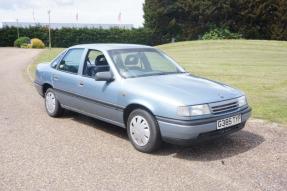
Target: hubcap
{"points": [[50, 102], [139, 130]]}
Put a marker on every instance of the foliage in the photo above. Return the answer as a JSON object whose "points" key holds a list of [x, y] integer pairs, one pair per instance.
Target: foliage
{"points": [[21, 40], [66, 37], [190, 19], [220, 33], [37, 43], [176, 19], [24, 45]]}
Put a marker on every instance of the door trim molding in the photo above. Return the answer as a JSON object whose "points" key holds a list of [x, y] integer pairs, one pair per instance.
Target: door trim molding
{"points": [[94, 116], [99, 102]]}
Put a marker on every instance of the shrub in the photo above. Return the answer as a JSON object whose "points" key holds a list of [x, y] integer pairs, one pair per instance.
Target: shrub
{"points": [[220, 33], [37, 43], [21, 40], [24, 45]]}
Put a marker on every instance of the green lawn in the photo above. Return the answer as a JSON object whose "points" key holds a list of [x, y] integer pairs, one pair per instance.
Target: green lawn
{"points": [[257, 67]]}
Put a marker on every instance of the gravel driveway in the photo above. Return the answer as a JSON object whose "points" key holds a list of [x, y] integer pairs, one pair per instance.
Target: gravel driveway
{"points": [[75, 152]]}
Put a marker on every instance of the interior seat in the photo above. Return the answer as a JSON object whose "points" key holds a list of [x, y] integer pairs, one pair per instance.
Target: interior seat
{"points": [[131, 62], [101, 65]]}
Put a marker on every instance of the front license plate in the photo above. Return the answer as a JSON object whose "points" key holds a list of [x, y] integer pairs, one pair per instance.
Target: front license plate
{"points": [[227, 122]]}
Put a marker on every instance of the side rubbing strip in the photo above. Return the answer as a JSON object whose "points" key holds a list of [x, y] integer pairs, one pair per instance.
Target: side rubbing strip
{"points": [[105, 104]]}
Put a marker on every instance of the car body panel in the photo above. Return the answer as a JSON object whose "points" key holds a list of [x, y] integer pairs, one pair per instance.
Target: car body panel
{"points": [[163, 94], [103, 100]]}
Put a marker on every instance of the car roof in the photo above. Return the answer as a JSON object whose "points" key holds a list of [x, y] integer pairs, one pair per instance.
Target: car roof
{"points": [[104, 46]]}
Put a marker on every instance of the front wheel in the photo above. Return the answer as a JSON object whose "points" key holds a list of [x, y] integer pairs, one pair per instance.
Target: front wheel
{"points": [[52, 105], [143, 131]]}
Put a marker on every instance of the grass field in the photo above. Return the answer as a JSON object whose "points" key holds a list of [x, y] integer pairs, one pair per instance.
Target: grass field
{"points": [[257, 67]]}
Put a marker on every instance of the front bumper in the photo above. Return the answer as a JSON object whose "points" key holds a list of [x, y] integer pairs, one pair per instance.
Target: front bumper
{"points": [[186, 132]]}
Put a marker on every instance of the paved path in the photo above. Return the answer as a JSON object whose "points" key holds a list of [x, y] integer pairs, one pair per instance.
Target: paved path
{"points": [[75, 152]]}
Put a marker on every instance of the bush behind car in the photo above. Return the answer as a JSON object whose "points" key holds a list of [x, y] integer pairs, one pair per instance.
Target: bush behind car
{"points": [[21, 41]]}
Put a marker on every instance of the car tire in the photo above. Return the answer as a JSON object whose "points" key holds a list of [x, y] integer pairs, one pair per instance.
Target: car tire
{"points": [[143, 131], [52, 105]]}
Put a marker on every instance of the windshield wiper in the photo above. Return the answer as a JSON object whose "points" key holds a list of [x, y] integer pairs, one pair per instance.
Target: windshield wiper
{"points": [[167, 73], [158, 74]]}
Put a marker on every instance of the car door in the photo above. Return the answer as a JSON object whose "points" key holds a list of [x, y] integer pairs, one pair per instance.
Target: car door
{"points": [[65, 78], [99, 98]]}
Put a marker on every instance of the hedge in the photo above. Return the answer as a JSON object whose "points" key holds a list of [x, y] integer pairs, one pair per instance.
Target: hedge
{"points": [[66, 37]]}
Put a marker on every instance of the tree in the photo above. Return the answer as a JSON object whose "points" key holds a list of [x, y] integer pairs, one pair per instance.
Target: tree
{"points": [[161, 16], [279, 26], [190, 19]]}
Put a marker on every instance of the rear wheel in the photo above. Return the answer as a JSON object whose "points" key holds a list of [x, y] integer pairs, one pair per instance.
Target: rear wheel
{"points": [[52, 105], [143, 131]]}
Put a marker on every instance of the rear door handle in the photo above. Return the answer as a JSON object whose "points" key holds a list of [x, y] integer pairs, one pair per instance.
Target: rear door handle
{"points": [[81, 83]]}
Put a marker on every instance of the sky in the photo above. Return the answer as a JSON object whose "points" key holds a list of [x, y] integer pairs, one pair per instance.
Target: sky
{"points": [[65, 11]]}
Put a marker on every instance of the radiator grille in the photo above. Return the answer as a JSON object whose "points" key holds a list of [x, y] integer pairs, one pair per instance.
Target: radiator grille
{"points": [[224, 107]]}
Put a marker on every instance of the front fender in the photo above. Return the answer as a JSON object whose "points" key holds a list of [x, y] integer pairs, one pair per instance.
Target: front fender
{"points": [[143, 103], [156, 106]]}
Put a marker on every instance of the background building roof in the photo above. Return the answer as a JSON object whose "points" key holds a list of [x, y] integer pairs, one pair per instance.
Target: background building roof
{"points": [[67, 25]]}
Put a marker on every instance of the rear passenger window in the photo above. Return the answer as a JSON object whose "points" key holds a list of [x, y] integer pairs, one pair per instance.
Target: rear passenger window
{"points": [[71, 61]]}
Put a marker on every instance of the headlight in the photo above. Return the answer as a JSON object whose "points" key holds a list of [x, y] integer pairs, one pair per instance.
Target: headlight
{"points": [[187, 111], [242, 101]]}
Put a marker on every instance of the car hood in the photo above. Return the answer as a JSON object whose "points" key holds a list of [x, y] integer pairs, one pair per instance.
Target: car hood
{"points": [[182, 89]]}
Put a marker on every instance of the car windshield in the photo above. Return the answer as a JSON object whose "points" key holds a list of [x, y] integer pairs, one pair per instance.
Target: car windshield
{"points": [[143, 62]]}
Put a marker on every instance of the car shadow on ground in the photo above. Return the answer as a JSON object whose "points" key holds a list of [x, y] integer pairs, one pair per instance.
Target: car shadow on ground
{"points": [[116, 131], [217, 149]]}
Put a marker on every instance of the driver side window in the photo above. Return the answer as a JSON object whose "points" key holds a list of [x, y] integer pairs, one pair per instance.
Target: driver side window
{"points": [[71, 62], [95, 62]]}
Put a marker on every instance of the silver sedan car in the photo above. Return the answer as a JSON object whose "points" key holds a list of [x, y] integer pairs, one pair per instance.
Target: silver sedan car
{"points": [[143, 90]]}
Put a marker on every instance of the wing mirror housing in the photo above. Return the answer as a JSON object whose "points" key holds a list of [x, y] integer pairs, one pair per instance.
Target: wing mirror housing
{"points": [[104, 76]]}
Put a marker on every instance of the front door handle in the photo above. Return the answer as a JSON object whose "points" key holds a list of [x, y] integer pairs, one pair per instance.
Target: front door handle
{"points": [[81, 83]]}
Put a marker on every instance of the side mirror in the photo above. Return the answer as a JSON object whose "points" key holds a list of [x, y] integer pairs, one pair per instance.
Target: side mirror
{"points": [[104, 76]]}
